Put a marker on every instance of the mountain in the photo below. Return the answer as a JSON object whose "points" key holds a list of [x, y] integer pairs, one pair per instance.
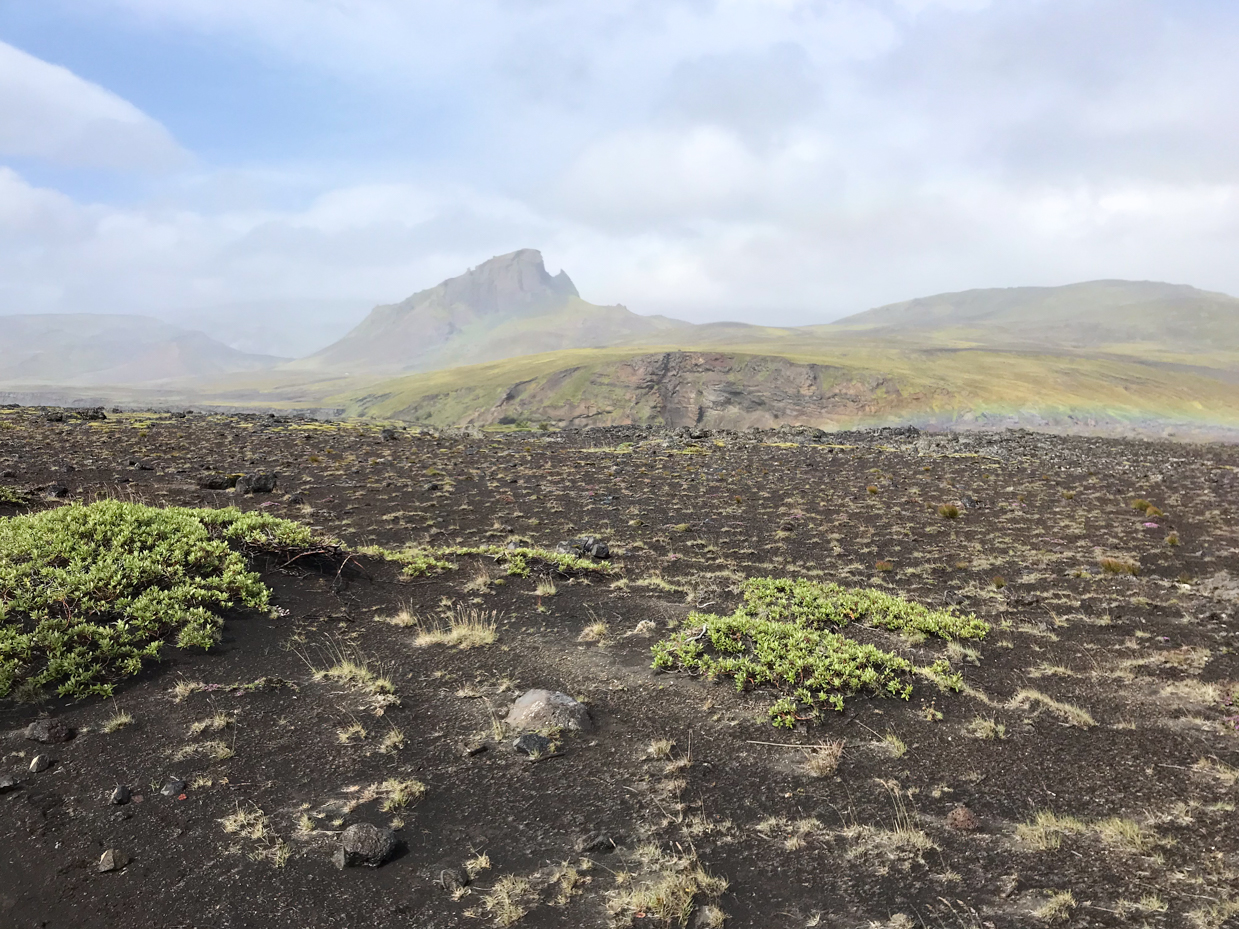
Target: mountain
{"points": [[1111, 355], [87, 349], [1117, 316], [507, 306]]}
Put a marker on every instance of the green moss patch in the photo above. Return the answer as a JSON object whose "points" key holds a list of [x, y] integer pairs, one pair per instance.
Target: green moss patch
{"points": [[90, 592], [782, 636], [429, 560]]}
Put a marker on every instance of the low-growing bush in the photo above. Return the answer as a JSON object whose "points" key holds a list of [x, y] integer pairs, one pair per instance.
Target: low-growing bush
{"points": [[427, 560], [781, 636], [90, 592]]}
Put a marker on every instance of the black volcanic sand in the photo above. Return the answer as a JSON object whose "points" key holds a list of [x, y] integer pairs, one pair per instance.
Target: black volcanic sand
{"points": [[1154, 840]]}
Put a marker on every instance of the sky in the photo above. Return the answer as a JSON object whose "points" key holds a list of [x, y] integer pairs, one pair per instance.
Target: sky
{"points": [[269, 170]]}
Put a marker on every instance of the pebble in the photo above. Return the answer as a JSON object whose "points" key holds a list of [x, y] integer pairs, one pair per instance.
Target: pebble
{"points": [[112, 860], [39, 764], [532, 744], [120, 796], [48, 731], [364, 844], [174, 788], [548, 709]]}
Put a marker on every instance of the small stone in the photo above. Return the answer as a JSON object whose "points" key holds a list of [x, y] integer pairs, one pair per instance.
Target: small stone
{"points": [[112, 860], [120, 796], [597, 842], [449, 877], [532, 744], [39, 764], [963, 819], [57, 490], [216, 482], [262, 483], [389, 435], [174, 788], [469, 749], [548, 709], [8, 782], [48, 731], [365, 844]]}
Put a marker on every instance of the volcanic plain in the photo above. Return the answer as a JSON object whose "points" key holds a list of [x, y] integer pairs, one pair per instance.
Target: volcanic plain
{"points": [[1072, 760]]}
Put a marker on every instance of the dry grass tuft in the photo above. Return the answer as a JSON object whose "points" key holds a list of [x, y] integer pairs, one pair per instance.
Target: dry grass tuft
{"points": [[465, 628], [1072, 715], [509, 899], [117, 721], [823, 760], [1057, 909]]}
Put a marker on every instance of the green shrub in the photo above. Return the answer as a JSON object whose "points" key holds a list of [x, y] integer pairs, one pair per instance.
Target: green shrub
{"points": [[89, 592], [426, 560], [780, 636]]}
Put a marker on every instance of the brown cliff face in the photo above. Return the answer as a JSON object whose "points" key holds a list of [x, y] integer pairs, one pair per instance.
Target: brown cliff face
{"points": [[709, 389]]}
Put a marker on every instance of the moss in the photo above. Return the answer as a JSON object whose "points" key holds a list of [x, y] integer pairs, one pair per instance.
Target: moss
{"points": [[90, 592], [426, 560], [781, 636]]}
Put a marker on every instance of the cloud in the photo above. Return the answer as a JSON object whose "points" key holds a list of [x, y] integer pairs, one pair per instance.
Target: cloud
{"points": [[48, 112], [772, 160]]}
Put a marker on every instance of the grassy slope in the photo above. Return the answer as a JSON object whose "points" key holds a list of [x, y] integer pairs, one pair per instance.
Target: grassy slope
{"points": [[935, 381]]}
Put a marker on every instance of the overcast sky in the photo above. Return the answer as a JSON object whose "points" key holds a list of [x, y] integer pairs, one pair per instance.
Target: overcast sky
{"points": [[767, 160]]}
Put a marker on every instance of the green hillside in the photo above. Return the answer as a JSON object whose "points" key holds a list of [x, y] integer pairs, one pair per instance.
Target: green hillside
{"points": [[815, 385]]}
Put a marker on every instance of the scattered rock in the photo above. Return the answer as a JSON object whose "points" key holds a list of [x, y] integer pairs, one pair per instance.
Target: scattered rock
{"points": [[54, 416], [56, 491], [217, 481], [548, 709], [585, 546], [963, 819], [174, 788], [532, 744], [48, 731], [8, 782], [261, 483], [120, 796], [450, 877], [389, 435], [364, 844], [598, 842], [112, 860], [39, 764]]}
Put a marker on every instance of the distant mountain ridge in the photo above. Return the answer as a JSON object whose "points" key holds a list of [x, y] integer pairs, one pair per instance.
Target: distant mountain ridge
{"points": [[88, 349], [509, 305], [1089, 315]]}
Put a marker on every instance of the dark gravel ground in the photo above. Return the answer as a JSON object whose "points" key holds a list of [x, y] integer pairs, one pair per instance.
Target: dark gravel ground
{"points": [[1124, 730]]}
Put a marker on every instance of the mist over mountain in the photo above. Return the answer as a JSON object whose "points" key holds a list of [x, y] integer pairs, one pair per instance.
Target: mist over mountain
{"points": [[86, 349], [509, 342]]}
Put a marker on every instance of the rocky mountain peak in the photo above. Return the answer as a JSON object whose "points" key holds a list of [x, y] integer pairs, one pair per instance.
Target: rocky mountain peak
{"points": [[508, 285]]}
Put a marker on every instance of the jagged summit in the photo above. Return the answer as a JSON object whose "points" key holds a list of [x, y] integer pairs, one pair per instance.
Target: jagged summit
{"points": [[512, 283], [509, 305]]}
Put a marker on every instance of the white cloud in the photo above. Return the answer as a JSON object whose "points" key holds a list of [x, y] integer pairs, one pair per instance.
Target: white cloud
{"points": [[48, 112], [774, 160]]}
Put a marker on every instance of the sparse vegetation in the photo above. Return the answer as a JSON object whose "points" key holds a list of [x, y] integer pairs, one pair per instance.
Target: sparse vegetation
{"points": [[776, 637], [464, 628], [88, 593]]}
